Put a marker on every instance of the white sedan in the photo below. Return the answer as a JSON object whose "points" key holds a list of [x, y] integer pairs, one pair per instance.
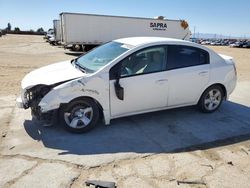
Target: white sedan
{"points": [[126, 77]]}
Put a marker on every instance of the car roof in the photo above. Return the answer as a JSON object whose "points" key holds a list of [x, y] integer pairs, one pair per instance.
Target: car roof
{"points": [[138, 41]]}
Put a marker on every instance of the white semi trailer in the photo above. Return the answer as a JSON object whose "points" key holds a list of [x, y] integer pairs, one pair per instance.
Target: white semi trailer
{"points": [[84, 31]]}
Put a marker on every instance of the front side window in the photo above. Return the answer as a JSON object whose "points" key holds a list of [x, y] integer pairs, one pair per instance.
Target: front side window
{"points": [[145, 61], [185, 56], [101, 56]]}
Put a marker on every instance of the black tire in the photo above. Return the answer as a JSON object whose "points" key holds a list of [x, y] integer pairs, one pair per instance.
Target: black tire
{"points": [[215, 102], [75, 111], [77, 48]]}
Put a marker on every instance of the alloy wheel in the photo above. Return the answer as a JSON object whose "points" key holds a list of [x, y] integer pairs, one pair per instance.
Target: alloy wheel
{"points": [[79, 117], [213, 99]]}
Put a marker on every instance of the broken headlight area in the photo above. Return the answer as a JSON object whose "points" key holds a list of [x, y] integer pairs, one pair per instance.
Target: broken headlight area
{"points": [[33, 96]]}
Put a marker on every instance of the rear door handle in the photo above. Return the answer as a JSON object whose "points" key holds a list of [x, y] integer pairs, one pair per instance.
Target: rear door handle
{"points": [[203, 73], [161, 81]]}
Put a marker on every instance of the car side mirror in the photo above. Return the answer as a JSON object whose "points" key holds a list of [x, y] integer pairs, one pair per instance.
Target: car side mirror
{"points": [[119, 90], [115, 74]]}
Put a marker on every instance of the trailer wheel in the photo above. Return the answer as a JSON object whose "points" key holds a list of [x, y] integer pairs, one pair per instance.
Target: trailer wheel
{"points": [[76, 47]]}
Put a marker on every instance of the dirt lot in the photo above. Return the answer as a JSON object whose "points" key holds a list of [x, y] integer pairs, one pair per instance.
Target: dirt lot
{"points": [[173, 148], [21, 54]]}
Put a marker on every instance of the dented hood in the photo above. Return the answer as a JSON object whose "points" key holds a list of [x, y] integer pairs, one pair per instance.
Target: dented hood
{"points": [[51, 74]]}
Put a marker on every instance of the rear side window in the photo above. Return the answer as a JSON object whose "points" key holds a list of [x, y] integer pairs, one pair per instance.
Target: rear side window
{"points": [[185, 56]]}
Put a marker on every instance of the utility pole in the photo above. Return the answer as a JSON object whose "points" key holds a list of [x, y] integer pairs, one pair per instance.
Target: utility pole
{"points": [[194, 31]]}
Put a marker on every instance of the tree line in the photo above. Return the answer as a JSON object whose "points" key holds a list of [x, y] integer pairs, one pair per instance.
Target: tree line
{"points": [[17, 30]]}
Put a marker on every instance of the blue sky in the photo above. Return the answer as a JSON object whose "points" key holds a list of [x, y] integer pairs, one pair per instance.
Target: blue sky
{"points": [[226, 17]]}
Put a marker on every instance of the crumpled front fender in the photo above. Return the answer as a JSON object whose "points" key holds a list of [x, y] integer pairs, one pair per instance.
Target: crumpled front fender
{"points": [[64, 93]]}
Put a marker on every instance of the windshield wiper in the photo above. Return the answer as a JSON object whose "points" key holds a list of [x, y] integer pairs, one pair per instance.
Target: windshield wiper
{"points": [[77, 65]]}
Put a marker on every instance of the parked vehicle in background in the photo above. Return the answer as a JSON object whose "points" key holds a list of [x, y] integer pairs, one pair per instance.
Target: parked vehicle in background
{"points": [[57, 32], [85, 31], [246, 45], [126, 77], [218, 43], [225, 43], [238, 44], [221, 42], [49, 34], [232, 45], [52, 40], [206, 42], [3, 32]]}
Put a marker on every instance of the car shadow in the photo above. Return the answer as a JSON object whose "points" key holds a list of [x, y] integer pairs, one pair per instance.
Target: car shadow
{"points": [[176, 130]]}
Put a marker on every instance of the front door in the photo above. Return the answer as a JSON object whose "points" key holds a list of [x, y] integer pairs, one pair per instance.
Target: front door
{"points": [[144, 78]]}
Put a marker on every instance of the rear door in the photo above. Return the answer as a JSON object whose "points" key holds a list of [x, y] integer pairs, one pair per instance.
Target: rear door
{"points": [[189, 72]]}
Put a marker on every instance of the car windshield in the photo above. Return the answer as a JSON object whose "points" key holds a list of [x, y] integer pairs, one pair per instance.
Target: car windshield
{"points": [[101, 56]]}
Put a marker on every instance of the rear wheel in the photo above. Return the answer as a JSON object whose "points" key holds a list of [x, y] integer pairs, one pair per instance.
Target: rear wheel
{"points": [[211, 99], [80, 116]]}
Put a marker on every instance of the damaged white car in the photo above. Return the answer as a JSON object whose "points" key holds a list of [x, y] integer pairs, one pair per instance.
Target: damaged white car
{"points": [[126, 77]]}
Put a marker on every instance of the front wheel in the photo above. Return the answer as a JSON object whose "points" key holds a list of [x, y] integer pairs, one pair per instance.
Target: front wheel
{"points": [[211, 99], [80, 116]]}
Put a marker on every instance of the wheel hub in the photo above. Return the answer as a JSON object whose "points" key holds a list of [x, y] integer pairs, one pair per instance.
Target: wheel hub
{"points": [[79, 117], [213, 99]]}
